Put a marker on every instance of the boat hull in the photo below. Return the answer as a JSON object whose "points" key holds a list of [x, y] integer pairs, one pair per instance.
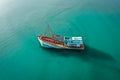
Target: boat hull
{"points": [[47, 44]]}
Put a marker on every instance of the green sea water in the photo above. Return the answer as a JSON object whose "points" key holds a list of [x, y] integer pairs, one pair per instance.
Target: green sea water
{"points": [[97, 21]]}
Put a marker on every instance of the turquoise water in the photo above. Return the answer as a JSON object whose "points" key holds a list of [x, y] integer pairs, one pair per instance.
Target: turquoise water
{"points": [[22, 58]]}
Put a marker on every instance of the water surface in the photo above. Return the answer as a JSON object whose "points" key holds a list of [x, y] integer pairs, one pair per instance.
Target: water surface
{"points": [[22, 58]]}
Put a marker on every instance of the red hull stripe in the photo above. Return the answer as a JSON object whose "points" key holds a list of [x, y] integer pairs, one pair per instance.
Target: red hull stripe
{"points": [[50, 40]]}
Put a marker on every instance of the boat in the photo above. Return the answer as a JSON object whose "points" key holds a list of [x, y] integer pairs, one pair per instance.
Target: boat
{"points": [[60, 42]]}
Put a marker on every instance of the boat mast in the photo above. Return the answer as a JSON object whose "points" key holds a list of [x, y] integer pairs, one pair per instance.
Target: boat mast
{"points": [[48, 31]]}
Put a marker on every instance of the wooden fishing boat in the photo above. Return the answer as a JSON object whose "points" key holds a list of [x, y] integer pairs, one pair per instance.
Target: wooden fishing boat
{"points": [[61, 42]]}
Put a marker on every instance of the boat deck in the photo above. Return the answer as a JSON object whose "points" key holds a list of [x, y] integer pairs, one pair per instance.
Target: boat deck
{"points": [[60, 44]]}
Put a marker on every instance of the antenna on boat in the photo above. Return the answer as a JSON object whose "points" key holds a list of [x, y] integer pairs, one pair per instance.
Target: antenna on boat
{"points": [[48, 30]]}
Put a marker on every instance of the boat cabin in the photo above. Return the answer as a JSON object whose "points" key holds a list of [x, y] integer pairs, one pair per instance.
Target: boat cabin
{"points": [[73, 41]]}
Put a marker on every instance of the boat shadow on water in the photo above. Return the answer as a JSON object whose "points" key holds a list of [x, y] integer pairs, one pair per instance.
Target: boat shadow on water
{"points": [[99, 60], [87, 54]]}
